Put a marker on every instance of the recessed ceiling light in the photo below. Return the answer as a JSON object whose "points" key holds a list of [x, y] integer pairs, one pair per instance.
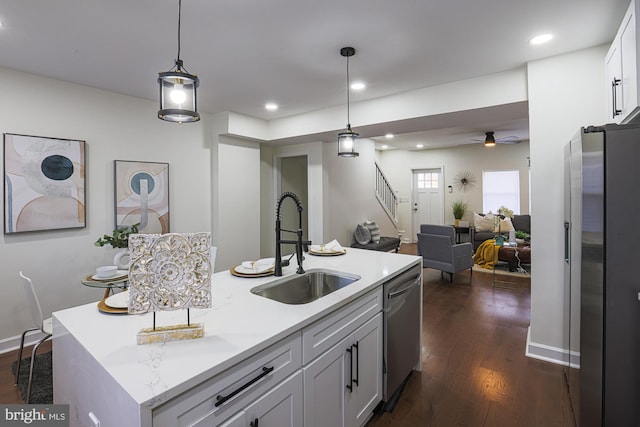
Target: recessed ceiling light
{"points": [[358, 85], [389, 136], [384, 147], [419, 145], [543, 38], [270, 106]]}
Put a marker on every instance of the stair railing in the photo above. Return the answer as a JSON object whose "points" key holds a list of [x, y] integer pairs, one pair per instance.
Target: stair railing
{"points": [[386, 196]]}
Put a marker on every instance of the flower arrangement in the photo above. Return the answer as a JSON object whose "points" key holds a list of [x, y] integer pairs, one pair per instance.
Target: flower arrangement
{"points": [[119, 238], [506, 212]]}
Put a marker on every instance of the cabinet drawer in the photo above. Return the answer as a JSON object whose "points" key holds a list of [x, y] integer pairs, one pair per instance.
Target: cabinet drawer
{"points": [[327, 332], [225, 394]]}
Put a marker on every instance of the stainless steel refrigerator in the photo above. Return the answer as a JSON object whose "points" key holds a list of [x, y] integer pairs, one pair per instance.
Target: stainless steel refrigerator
{"points": [[602, 278]]}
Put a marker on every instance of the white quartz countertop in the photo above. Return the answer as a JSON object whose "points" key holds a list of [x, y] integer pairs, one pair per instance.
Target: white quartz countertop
{"points": [[238, 325]]}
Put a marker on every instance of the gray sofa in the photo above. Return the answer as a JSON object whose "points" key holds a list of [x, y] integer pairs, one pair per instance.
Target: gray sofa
{"points": [[439, 250], [386, 244], [520, 223]]}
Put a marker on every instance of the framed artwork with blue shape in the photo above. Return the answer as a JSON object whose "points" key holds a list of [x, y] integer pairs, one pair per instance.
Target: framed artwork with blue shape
{"points": [[142, 195], [44, 183]]}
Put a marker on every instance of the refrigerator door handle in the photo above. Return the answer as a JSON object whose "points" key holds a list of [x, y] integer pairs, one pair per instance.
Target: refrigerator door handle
{"points": [[566, 242]]}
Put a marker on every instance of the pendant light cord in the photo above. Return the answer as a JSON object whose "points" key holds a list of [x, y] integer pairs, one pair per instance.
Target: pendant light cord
{"points": [[179, 19], [348, 117]]}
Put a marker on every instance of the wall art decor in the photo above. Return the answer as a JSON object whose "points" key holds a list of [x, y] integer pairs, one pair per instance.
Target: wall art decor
{"points": [[142, 195], [464, 180], [44, 183], [169, 271]]}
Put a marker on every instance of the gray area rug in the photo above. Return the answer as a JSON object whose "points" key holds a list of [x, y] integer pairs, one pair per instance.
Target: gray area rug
{"points": [[503, 269], [42, 383]]}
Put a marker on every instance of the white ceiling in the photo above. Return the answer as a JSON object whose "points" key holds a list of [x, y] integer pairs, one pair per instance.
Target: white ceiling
{"points": [[247, 53]]}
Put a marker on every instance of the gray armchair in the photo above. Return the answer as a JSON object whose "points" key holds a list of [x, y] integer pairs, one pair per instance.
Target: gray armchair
{"points": [[438, 248]]}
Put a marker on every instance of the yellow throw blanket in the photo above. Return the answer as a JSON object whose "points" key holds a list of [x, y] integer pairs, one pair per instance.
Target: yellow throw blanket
{"points": [[486, 255]]}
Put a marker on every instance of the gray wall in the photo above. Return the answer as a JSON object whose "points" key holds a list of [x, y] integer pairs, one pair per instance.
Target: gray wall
{"points": [[398, 165], [114, 127]]}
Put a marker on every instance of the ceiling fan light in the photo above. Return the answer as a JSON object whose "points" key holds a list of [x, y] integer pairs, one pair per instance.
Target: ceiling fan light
{"points": [[490, 140]]}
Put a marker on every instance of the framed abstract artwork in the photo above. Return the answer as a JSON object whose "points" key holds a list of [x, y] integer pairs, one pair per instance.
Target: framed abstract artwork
{"points": [[142, 195], [44, 183]]}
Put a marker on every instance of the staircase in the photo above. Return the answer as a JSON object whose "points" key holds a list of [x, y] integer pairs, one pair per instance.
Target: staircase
{"points": [[386, 196]]}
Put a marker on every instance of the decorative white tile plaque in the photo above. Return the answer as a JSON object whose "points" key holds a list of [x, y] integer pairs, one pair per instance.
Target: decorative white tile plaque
{"points": [[169, 272]]}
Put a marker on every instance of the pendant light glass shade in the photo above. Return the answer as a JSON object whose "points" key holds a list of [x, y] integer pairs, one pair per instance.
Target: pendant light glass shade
{"points": [[347, 138], [347, 143], [178, 94]]}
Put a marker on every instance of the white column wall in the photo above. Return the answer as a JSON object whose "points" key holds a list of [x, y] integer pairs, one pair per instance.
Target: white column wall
{"points": [[565, 93], [236, 210]]}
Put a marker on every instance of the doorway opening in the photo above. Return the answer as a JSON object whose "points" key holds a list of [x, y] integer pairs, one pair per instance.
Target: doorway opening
{"points": [[294, 178]]}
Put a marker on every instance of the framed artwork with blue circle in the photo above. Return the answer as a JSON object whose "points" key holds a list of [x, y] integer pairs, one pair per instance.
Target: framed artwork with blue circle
{"points": [[142, 195], [44, 182]]}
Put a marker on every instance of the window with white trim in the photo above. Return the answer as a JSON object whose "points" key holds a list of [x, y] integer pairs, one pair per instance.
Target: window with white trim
{"points": [[501, 188], [428, 180]]}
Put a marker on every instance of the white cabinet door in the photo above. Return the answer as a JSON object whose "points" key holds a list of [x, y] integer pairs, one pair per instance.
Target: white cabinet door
{"points": [[239, 420], [344, 385], [628, 60], [280, 407], [613, 66], [366, 372], [220, 398], [324, 388], [622, 71]]}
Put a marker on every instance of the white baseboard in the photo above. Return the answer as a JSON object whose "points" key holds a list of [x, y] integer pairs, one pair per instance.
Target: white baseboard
{"points": [[551, 354], [13, 343]]}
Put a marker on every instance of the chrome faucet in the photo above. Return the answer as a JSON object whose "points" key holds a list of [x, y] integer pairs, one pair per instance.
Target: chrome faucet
{"points": [[298, 242]]}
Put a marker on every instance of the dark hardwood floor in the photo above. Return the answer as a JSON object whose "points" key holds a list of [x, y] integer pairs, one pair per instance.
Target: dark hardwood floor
{"points": [[9, 393], [474, 370]]}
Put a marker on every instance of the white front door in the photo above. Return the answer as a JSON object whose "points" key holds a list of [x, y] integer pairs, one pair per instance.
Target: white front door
{"points": [[427, 199]]}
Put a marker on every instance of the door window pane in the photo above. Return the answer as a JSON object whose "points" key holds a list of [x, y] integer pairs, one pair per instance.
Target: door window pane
{"points": [[428, 180]]}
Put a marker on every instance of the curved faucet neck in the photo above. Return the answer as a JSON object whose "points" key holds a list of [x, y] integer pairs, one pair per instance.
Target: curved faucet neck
{"points": [[283, 196]]}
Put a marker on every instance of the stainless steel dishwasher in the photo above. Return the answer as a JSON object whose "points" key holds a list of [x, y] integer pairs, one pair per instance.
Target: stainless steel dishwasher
{"points": [[402, 328]]}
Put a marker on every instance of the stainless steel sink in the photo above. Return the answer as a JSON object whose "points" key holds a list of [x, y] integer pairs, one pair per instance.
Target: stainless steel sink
{"points": [[305, 288]]}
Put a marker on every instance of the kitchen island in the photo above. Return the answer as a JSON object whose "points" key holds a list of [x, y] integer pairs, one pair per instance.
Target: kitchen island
{"points": [[102, 373]]}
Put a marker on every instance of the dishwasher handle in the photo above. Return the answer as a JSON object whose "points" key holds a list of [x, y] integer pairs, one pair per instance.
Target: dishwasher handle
{"points": [[404, 290]]}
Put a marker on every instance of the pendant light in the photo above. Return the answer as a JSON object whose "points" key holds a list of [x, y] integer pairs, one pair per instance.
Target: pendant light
{"points": [[490, 140], [347, 138], [178, 101]]}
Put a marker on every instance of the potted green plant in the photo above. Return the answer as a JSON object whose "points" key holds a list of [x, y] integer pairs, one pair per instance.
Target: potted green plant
{"points": [[119, 239], [459, 209]]}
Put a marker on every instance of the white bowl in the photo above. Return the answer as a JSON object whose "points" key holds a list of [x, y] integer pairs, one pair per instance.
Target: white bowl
{"points": [[106, 271]]}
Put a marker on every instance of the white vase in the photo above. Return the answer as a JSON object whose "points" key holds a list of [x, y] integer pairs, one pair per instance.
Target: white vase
{"points": [[121, 259]]}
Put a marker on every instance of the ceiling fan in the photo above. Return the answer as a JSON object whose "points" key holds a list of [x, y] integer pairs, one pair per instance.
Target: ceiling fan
{"points": [[490, 140]]}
